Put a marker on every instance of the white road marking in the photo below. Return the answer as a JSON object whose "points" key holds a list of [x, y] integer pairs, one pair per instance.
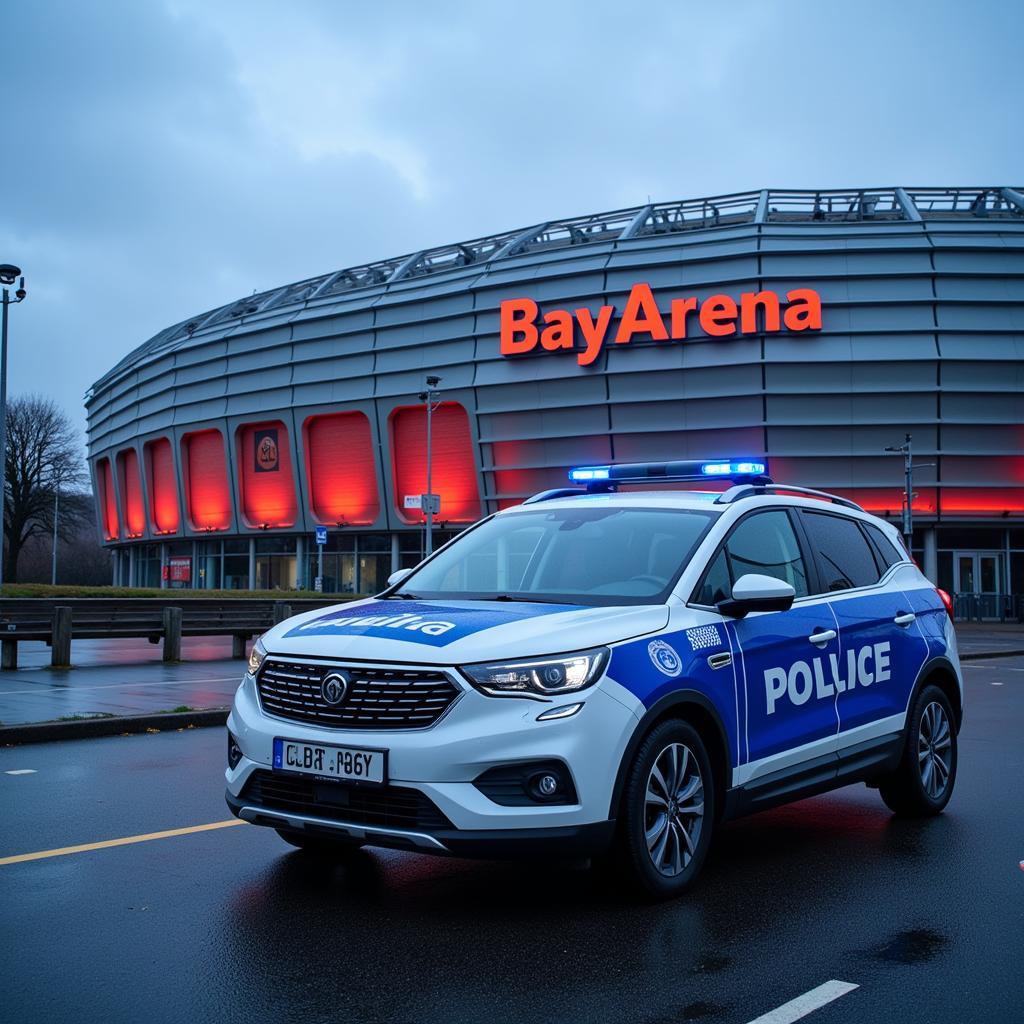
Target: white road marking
{"points": [[800, 1007], [21, 771], [122, 686]]}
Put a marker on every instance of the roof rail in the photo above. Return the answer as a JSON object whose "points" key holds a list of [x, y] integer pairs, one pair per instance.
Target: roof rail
{"points": [[556, 492], [752, 490]]}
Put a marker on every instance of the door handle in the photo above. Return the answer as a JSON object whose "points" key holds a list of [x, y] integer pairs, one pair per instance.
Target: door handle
{"points": [[823, 637], [904, 618], [720, 660]]}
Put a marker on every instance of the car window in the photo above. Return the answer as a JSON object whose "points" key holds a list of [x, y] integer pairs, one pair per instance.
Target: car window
{"points": [[587, 554], [716, 586], [766, 544], [884, 548], [842, 553]]}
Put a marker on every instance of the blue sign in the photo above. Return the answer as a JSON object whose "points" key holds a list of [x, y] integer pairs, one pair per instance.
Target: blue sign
{"points": [[321, 535]]}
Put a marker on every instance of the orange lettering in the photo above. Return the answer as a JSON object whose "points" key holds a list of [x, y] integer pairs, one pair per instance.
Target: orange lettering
{"points": [[593, 333], [768, 301], [804, 311], [641, 316], [718, 315], [512, 325], [559, 334], [680, 307]]}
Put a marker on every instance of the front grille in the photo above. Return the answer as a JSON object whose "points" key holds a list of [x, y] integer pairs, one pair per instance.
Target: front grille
{"points": [[377, 698], [383, 806]]}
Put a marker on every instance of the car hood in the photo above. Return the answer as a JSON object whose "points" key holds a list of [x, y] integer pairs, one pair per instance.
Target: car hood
{"points": [[457, 632]]}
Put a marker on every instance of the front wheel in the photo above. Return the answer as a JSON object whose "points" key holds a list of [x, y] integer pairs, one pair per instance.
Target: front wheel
{"points": [[923, 782], [667, 811]]}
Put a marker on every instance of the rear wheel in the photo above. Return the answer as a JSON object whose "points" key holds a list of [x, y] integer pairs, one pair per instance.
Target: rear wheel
{"points": [[667, 811], [320, 846], [923, 782]]}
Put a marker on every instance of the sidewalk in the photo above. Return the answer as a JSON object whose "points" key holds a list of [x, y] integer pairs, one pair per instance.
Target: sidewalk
{"points": [[118, 677], [127, 677]]}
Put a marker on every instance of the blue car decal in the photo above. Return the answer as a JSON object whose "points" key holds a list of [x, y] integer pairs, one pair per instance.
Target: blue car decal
{"points": [[420, 622]]}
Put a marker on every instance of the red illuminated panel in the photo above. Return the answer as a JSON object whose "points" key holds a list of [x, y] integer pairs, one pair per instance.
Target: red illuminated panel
{"points": [[888, 499], [340, 469], [982, 501], [207, 497], [108, 500], [131, 492], [265, 476], [161, 486], [454, 470]]}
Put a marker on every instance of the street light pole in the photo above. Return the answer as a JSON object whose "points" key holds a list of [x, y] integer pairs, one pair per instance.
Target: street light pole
{"points": [[7, 275], [906, 450], [429, 396], [56, 512]]}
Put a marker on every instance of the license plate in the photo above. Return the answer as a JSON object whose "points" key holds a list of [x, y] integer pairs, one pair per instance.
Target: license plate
{"points": [[327, 762]]}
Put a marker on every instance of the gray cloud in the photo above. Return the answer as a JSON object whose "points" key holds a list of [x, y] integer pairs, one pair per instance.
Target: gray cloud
{"points": [[162, 158]]}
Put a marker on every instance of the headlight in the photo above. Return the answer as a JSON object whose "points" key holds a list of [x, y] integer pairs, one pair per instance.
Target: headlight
{"points": [[256, 656], [564, 674]]}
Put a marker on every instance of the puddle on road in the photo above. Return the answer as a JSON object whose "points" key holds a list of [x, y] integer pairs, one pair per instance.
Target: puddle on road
{"points": [[695, 1011], [711, 963], [919, 945]]}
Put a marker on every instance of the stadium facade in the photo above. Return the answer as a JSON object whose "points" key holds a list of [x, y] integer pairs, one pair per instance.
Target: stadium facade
{"points": [[669, 331]]}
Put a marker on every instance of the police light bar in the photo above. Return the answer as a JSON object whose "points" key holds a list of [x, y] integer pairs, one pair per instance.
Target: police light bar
{"points": [[606, 477]]}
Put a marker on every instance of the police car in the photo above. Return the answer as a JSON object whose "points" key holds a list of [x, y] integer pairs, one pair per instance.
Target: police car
{"points": [[600, 672]]}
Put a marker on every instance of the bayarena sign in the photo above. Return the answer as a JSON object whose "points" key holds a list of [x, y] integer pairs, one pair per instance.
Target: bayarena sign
{"points": [[720, 316]]}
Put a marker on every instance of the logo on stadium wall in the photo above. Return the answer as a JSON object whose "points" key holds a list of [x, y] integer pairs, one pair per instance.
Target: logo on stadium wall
{"points": [[523, 328], [266, 451]]}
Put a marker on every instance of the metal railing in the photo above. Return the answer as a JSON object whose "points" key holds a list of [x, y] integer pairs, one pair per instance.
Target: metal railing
{"points": [[988, 607]]}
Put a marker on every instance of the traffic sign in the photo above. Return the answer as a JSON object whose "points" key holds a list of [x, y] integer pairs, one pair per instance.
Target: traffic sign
{"points": [[430, 503], [321, 535]]}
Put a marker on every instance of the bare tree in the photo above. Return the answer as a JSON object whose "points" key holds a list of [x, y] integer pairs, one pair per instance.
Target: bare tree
{"points": [[43, 451]]}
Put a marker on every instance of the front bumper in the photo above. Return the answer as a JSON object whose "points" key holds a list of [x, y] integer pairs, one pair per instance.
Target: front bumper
{"points": [[442, 762]]}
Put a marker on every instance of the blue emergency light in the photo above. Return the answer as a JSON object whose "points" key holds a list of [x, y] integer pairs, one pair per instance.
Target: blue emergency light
{"points": [[606, 478]]}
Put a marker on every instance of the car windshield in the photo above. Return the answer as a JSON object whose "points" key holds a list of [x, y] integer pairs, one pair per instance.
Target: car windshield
{"points": [[588, 556]]}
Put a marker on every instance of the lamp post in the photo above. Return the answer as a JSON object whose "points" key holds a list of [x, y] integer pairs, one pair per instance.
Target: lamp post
{"points": [[909, 466], [8, 274], [56, 510], [430, 396]]}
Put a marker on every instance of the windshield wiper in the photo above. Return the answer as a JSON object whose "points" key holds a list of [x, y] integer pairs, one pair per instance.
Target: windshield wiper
{"points": [[404, 595]]}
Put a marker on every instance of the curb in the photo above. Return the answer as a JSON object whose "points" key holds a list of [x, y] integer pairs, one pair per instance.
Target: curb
{"points": [[90, 728], [985, 655]]}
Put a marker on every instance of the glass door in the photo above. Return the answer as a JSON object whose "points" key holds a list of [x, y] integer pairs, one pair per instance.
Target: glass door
{"points": [[977, 578]]}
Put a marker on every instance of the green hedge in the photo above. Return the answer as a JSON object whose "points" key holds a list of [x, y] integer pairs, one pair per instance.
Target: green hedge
{"points": [[46, 590]]}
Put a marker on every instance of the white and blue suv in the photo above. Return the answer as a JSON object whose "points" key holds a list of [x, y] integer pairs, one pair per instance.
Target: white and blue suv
{"points": [[596, 672]]}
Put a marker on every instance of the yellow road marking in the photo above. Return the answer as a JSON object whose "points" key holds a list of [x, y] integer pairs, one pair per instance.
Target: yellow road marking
{"points": [[126, 841]]}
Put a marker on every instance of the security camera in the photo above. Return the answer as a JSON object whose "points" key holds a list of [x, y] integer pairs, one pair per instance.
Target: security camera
{"points": [[20, 293], [8, 273], [432, 382]]}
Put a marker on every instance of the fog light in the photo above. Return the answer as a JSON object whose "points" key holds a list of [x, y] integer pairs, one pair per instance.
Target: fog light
{"points": [[547, 785], [234, 752]]}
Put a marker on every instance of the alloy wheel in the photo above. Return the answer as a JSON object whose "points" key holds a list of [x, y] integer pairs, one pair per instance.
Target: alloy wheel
{"points": [[673, 809], [934, 749]]}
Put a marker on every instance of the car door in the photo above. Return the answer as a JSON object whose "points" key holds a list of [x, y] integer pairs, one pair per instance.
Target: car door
{"points": [[790, 713], [881, 649]]}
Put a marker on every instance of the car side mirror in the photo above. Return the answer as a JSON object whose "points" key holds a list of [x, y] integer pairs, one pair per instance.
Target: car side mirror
{"points": [[756, 593], [396, 577]]}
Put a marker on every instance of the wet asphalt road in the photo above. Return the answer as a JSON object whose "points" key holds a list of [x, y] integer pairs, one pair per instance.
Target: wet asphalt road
{"points": [[927, 918]]}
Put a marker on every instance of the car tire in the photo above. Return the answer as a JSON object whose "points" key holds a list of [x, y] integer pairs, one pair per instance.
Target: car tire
{"points": [[320, 846], [923, 782], [667, 812]]}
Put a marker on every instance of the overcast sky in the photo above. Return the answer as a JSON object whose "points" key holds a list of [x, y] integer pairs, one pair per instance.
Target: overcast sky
{"points": [[162, 157]]}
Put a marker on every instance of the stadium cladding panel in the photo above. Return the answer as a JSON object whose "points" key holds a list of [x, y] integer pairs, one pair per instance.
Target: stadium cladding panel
{"points": [[671, 331]]}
